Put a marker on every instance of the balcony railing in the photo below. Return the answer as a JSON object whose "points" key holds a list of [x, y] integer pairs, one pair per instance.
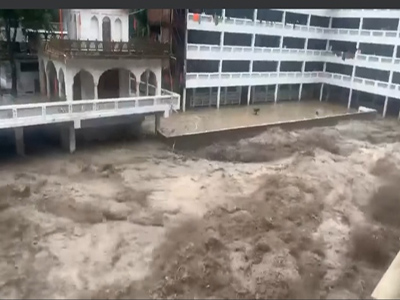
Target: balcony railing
{"points": [[133, 48]]}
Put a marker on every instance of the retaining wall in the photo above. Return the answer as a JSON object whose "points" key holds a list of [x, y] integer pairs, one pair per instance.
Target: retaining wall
{"points": [[191, 141]]}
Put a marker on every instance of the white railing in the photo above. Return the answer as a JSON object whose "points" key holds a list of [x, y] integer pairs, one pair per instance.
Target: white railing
{"points": [[201, 51], [250, 27], [56, 112], [343, 13], [253, 79], [248, 75]]}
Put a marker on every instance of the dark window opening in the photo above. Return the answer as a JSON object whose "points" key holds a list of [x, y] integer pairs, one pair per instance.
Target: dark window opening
{"points": [[314, 66], [204, 37], [319, 21], [317, 44], [380, 24], [396, 78], [339, 69], [293, 43], [269, 15], [235, 66], [372, 74], [239, 13], [202, 66], [291, 66], [377, 49], [237, 39], [29, 67], [293, 18], [265, 66], [349, 23], [268, 41], [342, 46]]}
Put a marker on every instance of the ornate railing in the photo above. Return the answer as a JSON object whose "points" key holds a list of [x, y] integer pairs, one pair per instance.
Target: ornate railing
{"points": [[136, 47]]}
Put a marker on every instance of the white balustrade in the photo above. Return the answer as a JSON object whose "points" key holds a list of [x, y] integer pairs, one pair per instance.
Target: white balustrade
{"points": [[197, 80], [237, 25], [56, 112], [214, 52]]}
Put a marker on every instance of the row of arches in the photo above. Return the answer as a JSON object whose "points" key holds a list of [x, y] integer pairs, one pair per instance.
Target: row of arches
{"points": [[110, 84], [106, 29]]}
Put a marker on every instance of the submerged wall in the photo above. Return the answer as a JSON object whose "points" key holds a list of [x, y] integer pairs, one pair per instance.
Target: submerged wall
{"points": [[192, 141]]}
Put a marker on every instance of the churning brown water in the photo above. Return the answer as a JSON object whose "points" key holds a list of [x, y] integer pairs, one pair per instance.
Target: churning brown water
{"points": [[136, 220]]}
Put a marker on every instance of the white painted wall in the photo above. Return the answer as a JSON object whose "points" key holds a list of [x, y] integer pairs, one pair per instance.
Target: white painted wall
{"points": [[25, 80], [85, 28], [98, 67]]}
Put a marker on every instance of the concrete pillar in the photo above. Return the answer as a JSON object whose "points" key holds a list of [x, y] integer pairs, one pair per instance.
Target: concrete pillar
{"points": [[48, 83], [157, 123], [96, 91], [138, 88], [276, 93], [321, 91], [19, 140], [385, 107], [184, 100], [68, 141], [147, 82], [349, 101], [42, 78]]}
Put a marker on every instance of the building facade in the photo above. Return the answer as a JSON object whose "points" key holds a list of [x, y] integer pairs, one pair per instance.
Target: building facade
{"points": [[98, 60], [249, 56]]}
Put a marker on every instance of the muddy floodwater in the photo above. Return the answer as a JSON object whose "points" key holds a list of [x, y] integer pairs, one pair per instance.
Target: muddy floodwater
{"points": [[229, 117], [309, 213]]}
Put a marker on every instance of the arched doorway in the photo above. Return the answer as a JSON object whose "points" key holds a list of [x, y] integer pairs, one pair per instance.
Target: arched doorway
{"points": [[61, 80], [106, 27], [115, 83], [83, 87], [94, 27], [148, 83], [52, 82], [118, 30]]}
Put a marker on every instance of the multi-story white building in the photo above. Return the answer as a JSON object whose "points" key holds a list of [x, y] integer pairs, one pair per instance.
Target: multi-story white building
{"points": [[248, 56]]}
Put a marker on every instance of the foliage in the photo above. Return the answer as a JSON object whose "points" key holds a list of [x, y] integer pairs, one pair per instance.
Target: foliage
{"points": [[12, 19]]}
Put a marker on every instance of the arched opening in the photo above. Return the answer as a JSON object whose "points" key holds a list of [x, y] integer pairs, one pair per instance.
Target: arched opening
{"points": [[148, 83], [115, 83], [61, 80], [106, 27], [43, 78], [52, 82], [83, 88], [94, 27], [118, 30]]}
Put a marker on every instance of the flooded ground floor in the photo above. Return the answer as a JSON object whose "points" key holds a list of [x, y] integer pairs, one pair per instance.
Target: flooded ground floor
{"points": [[206, 119], [309, 213]]}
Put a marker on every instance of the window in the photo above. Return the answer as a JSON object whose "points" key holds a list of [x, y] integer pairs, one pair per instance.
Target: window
{"points": [[29, 67]]}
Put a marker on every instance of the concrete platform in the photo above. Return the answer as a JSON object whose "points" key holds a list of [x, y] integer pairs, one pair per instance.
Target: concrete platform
{"points": [[192, 130], [211, 119]]}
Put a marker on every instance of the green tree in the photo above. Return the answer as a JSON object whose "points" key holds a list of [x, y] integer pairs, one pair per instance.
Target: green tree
{"points": [[25, 18]]}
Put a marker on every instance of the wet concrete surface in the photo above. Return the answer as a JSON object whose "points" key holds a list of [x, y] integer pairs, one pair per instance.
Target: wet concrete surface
{"points": [[195, 121]]}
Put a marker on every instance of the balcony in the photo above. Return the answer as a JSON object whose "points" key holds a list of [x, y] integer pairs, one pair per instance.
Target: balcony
{"points": [[215, 52], [134, 49], [236, 25], [198, 80]]}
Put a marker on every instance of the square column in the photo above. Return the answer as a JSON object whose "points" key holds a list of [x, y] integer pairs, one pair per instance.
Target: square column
{"points": [[68, 141], [19, 140]]}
